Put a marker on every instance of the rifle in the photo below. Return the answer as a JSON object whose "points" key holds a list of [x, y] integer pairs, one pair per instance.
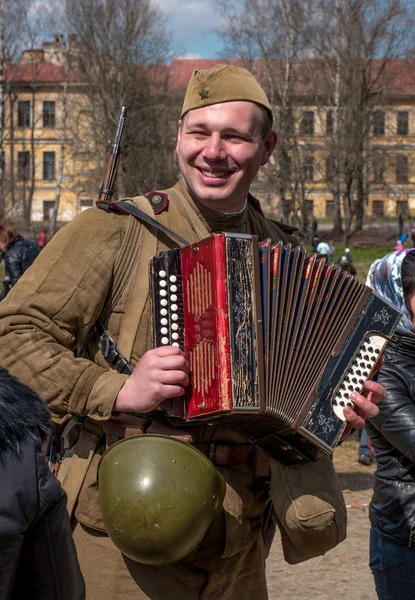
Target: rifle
{"points": [[107, 188], [106, 344]]}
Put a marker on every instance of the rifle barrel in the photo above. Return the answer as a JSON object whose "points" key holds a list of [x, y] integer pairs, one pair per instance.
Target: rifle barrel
{"points": [[107, 188]]}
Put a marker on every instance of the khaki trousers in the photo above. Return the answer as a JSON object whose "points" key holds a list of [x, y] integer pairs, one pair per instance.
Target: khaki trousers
{"points": [[205, 575]]}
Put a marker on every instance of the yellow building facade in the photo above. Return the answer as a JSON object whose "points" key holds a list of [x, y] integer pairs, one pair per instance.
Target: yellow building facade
{"points": [[32, 142], [34, 94], [389, 159]]}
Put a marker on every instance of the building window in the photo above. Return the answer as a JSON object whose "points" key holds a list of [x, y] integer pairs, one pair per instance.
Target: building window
{"points": [[48, 165], [402, 123], [48, 114], [329, 123], [402, 208], [48, 208], [329, 208], [378, 165], [84, 204], [378, 122], [308, 168], [23, 165], [309, 207], [23, 113], [307, 124], [401, 169], [329, 169], [377, 208]]}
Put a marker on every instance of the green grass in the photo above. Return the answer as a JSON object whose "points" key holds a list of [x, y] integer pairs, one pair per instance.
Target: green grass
{"points": [[363, 257]]}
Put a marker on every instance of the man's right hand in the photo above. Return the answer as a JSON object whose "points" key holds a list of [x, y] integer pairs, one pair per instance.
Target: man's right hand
{"points": [[161, 373]]}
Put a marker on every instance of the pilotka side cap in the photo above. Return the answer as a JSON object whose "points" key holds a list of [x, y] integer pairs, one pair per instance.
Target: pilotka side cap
{"points": [[223, 83]]}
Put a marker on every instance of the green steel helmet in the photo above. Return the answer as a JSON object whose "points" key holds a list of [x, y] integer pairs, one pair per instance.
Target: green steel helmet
{"points": [[158, 497]]}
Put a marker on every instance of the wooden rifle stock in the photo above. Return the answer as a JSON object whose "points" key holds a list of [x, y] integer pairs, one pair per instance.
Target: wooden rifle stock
{"points": [[107, 188]]}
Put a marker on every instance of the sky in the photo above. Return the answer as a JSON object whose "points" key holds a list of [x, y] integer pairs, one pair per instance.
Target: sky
{"points": [[192, 23]]}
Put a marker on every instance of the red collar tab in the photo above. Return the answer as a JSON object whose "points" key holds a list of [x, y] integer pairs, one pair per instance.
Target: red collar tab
{"points": [[159, 201]]}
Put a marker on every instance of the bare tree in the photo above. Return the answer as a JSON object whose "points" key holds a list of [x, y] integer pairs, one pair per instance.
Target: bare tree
{"points": [[337, 60], [358, 42], [2, 29], [10, 47], [121, 42], [267, 36], [32, 26]]}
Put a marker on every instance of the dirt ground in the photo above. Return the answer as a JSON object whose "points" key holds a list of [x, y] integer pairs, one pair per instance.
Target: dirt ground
{"points": [[343, 573]]}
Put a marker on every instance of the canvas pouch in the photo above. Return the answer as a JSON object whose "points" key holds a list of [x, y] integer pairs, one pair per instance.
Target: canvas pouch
{"points": [[310, 508]]}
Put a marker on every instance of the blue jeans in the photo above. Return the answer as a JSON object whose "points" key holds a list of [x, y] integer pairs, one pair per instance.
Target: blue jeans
{"points": [[364, 443], [393, 567]]}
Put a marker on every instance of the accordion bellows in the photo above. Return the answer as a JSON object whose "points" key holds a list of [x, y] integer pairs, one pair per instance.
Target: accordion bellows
{"points": [[277, 340]]}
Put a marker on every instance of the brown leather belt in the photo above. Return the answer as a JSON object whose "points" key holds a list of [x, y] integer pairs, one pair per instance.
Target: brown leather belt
{"points": [[219, 453], [227, 454], [118, 428]]}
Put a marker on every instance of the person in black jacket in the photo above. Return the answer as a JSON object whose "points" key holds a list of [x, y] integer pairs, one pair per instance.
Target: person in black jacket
{"points": [[392, 434], [18, 254], [37, 554]]}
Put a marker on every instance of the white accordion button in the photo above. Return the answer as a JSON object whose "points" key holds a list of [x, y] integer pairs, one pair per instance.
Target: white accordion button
{"points": [[164, 322], [173, 298], [164, 303], [164, 341], [162, 273], [174, 307], [175, 344], [164, 311], [357, 373], [163, 293], [173, 278], [164, 331], [175, 327], [173, 288], [163, 283], [174, 317], [174, 336]]}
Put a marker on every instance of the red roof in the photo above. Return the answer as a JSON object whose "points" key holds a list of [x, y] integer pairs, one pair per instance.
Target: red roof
{"points": [[44, 72], [309, 77]]}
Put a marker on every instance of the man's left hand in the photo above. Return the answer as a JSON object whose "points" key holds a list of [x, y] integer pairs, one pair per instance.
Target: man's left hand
{"points": [[365, 405]]}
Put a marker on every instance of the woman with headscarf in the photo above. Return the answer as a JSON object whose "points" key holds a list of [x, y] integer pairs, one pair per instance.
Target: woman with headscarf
{"points": [[392, 434]]}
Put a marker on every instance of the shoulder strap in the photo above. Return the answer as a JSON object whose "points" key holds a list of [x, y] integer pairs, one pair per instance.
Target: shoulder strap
{"points": [[127, 208], [147, 248]]}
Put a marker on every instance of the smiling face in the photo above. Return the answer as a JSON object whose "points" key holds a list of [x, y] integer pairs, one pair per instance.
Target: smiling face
{"points": [[220, 150]]}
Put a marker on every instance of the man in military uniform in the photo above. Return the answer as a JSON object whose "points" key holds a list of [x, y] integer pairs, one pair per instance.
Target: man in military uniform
{"points": [[225, 135]]}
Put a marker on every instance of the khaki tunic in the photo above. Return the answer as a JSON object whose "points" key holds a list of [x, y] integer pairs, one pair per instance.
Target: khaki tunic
{"points": [[53, 308]]}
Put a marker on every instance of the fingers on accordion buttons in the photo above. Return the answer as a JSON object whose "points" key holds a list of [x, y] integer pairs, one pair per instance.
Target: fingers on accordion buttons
{"points": [[357, 374]]}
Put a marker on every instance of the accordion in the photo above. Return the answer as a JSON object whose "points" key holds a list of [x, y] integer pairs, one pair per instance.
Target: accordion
{"points": [[277, 340]]}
